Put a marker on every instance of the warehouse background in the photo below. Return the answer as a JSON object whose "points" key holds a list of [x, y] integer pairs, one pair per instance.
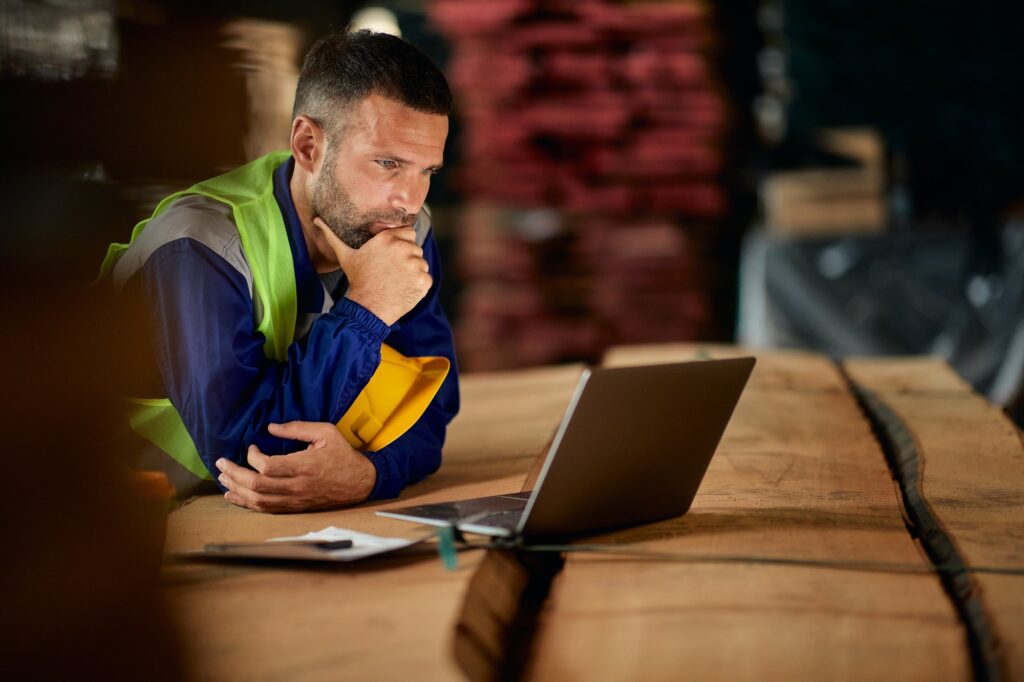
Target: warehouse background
{"points": [[829, 175]]}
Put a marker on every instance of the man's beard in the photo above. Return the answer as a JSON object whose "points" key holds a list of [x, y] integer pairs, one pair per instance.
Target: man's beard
{"points": [[336, 208]]}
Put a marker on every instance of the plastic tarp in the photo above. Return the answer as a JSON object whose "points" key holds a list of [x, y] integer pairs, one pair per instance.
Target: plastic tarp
{"points": [[897, 293]]}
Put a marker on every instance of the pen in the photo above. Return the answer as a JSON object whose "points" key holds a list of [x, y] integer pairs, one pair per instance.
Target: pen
{"points": [[317, 544]]}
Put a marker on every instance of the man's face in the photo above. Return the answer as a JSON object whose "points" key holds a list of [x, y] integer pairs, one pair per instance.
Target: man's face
{"points": [[377, 176]]}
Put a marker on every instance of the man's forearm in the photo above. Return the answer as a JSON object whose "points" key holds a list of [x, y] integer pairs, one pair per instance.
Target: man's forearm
{"points": [[213, 367]]}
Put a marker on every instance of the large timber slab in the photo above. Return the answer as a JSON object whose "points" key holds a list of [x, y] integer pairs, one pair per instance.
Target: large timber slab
{"points": [[386, 619], [968, 458], [793, 563]]}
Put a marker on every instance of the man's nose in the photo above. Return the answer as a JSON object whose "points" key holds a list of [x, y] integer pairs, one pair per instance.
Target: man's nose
{"points": [[409, 193]]}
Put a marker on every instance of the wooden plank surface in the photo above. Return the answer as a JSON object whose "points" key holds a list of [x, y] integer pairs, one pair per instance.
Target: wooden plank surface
{"points": [[800, 476], [384, 619], [971, 470]]}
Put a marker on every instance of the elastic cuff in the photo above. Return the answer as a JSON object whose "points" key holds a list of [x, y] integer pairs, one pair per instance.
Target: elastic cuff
{"points": [[388, 483], [361, 318]]}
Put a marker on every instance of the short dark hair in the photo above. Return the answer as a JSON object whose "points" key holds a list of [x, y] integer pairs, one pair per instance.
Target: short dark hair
{"points": [[343, 68]]}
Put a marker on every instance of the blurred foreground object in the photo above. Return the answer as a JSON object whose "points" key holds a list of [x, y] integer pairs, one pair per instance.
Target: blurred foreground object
{"points": [[83, 536]]}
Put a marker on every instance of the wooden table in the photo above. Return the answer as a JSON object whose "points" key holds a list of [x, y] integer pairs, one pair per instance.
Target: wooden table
{"points": [[798, 476], [795, 561], [385, 619]]}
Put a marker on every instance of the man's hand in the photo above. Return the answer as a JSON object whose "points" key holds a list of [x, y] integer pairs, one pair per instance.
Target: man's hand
{"points": [[387, 275], [329, 473]]}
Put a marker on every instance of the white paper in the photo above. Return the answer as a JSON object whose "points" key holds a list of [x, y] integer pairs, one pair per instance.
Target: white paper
{"points": [[363, 544]]}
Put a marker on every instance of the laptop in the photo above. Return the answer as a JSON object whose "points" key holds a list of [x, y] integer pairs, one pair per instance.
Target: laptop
{"points": [[632, 448]]}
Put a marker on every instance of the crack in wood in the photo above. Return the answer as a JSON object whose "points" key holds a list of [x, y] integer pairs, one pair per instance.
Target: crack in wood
{"points": [[906, 464]]}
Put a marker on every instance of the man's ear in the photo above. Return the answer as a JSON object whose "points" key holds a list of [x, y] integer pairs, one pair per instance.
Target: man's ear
{"points": [[308, 143]]}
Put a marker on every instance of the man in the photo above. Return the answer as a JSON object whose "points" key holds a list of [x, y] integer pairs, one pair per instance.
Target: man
{"points": [[271, 291]]}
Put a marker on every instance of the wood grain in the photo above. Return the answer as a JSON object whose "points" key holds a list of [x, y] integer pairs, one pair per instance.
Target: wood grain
{"points": [[971, 472], [800, 476]]}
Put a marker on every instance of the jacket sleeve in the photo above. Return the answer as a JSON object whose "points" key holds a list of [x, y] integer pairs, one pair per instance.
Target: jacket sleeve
{"points": [[423, 331], [212, 365]]}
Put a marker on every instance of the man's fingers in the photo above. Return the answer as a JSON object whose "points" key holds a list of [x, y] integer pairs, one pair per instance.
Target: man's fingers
{"points": [[235, 478], [311, 432], [406, 234], [262, 503], [415, 253], [414, 249], [278, 467], [257, 460], [286, 466]]}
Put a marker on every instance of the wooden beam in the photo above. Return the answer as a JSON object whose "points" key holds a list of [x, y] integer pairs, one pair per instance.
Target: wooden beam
{"points": [[964, 463], [799, 478]]}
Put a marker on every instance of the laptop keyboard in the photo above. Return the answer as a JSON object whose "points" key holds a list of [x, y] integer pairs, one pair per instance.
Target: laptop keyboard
{"points": [[507, 519]]}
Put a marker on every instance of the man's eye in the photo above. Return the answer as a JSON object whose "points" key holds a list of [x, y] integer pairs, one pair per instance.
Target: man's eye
{"points": [[387, 164]]}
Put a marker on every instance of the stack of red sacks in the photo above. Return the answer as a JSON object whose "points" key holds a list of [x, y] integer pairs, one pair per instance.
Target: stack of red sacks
{"points": [[607, 113], [545, 286]]}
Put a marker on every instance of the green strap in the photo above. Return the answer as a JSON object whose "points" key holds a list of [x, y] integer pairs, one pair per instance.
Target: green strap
{"points": [[249, 191], [157, 421]]}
